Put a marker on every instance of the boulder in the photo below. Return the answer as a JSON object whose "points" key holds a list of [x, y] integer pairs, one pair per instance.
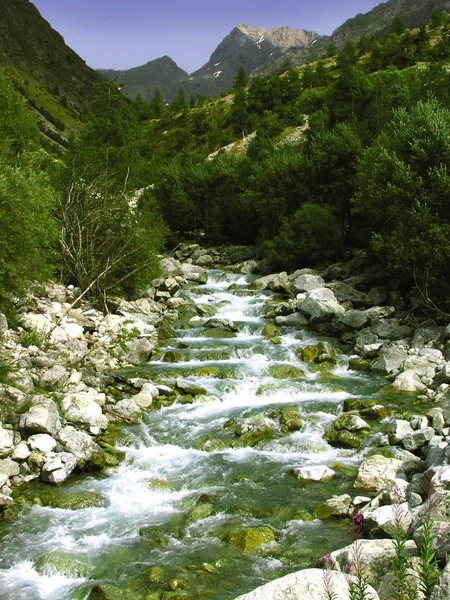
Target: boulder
{"points": [[376, 473], [249, 539], [415, 440], [354, 319], [6, 442], [346, 293], [42, 442], [58, 467], [386, 520], [321, 305], [390, 329], [377, 558], [83, 408], [390, 360], [284, 372], [350, 422], [9, 467], [336, 507], [409, 381], [314, 473], [277, 282], [306, 283], [54, 378], [126, 411], [139, 351], [41, 417], [188, 387], [83, 447], [293, 320], [306, 585], [397, 429]]}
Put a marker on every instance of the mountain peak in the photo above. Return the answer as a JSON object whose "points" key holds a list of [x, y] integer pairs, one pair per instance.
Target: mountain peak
{"points": [[280, 36]]}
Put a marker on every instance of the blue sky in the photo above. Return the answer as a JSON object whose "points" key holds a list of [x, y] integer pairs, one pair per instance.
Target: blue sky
{"points": [[122, 34]]}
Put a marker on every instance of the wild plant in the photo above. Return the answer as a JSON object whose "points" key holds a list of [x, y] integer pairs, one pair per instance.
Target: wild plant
{"points": [[358, 586], [402, 584], [428, 569]]}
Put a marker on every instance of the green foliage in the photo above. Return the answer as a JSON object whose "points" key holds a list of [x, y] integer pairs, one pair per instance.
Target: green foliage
{"points": [[109, 242], [241, 79], [402, 187], [398, 25], [312, 232], [156, 104], [31, 337], [179, 103], [27, 200]]}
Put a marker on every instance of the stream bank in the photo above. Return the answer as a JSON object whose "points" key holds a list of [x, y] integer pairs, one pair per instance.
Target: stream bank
{"points": [[226, 430]]}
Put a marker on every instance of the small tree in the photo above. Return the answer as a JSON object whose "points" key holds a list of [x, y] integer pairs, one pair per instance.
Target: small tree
{"points": [[241, 79], [398, 25], [156, 104], [179, 103]]}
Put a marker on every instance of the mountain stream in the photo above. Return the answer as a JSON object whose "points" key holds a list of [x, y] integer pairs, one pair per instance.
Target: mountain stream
{"points": [[172, 514]]}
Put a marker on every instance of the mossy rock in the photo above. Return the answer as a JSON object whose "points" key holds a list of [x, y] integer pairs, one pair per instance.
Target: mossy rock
{"points": [[206, 310], [342, 438], [359, 364], [324, 369], [109, 591], [290, 419], [206, 372], [267, 388], [259, 434], [172, 356], [186, 399], [309, 354], [199, 512], [210, 444], [155, 535], [351, 422], [160, 485], [217, 333], [73, 501], [378, 412], [272, 333], [155, 575], [165, 332], [61, 563], [303, 515], [212, 355], [351, 404], [249, 539], [284, 372], [283, 513]]}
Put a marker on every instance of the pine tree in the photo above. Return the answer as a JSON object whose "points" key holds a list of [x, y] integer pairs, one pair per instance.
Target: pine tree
{"points": [[156, 104], [241, 79]]}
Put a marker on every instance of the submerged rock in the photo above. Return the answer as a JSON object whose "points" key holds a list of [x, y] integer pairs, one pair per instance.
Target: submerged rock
{"points": [[284, 372], [249, 539], [61, 563]]}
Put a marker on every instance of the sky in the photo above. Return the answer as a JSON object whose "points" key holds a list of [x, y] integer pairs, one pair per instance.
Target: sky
{"points": [[121, 34]]}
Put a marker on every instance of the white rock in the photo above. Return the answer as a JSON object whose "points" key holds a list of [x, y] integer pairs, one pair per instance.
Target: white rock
{"points": [[321, 304], [42, 417], [314, 473], [397, 429], [58, 467], [21, 452], [6, 442], [42, 442], [80, 444], [388, 519], [409, 381], [82, 408], [305, 585], [376, 473]]}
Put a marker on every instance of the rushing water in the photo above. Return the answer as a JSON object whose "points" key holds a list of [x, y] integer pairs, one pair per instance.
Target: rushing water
{"points": [[243, 486]]}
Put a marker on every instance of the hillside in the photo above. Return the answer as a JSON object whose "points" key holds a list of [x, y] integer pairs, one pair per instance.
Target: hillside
{"points": [[55, 80]]}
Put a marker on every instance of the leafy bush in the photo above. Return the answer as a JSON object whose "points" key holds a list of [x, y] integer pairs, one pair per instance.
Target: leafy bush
{"points": [[310, 234]]}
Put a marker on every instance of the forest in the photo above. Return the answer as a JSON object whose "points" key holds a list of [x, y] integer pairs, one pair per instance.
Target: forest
{"points": [[350, 151]]}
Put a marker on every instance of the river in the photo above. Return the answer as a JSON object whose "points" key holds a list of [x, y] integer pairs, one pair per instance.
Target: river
{"points": [[163, 527]]}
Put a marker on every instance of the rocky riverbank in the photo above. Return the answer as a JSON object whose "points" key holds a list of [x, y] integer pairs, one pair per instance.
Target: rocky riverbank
{"points": [[62, 399]]}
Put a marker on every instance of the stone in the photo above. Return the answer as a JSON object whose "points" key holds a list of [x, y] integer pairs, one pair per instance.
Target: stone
{"points": [[354, 319], [58, 467], [397, 429], [54, 378], [139, 351], [61, 563], [390, 329], [342, 438], [336, 507], [21, 452], [306, 283], [314, 473], [83, 447], [9, 467], [42, 442], [390, 360], [418, 421], [409, 381], [346, 293], [350, 422], [83, 408], [224, 324], [377, 295], [6, 442], [188, 387], [284, 372], [249, 539], [126, 411], [41, 417], [290, 419], [375, 412], [377, 473], [3, 324], [377, 557], [385, 520], [5, 501], [437, 419], [306, 585], [293, 320], [321, 305], [270, 332], [417, 439], [172, 356]]}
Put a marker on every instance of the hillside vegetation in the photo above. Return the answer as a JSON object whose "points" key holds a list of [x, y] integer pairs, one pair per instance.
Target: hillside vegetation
{"points": [[352, 150]]}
